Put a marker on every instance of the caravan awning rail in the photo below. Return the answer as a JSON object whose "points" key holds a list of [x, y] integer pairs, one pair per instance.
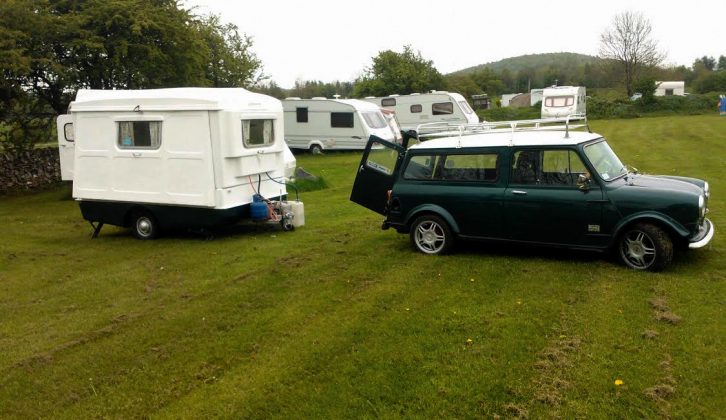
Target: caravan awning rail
{"points": [[442, 129]]}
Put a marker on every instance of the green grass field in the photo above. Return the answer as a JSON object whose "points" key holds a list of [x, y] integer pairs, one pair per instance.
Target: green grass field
{"points": [[340, 319]]}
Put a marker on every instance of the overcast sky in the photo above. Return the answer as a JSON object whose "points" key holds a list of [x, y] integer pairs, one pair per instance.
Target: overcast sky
{"points": [[336, 40]]}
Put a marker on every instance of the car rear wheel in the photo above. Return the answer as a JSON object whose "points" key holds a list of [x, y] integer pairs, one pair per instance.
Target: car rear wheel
{"points": [[431, 235], [645, 247]]}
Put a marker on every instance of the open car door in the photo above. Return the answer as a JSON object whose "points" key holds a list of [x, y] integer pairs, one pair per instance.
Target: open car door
{"points": [[376, 173]]}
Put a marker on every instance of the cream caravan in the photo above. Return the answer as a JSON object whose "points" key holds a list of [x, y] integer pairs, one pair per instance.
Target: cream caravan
{"points": [[561, 101], [165, 158], [333, 124], [436, 106]]}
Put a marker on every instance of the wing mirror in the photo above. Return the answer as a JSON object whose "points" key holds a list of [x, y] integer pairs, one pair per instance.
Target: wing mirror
{"points": [[583, 182]]}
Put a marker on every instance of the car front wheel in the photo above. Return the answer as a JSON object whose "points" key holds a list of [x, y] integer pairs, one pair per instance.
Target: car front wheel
{"points": [[431, 235], [645, 247]]}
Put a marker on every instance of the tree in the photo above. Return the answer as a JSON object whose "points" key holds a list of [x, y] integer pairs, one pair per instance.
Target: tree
{"points": [[706, 62], [646, 87], [628, 42], [230, 60], [402, 73], [721, 63]]}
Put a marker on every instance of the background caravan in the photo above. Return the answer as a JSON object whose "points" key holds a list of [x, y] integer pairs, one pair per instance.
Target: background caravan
{"points": [[334, 124], [421, 108], [561, 101], [186, 157]]}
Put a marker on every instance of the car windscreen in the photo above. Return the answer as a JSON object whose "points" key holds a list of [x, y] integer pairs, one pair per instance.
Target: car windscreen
{"points": [[606, 162], [374, 119]]}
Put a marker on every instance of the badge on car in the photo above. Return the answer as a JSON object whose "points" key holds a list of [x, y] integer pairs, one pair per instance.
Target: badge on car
{"points": [[593, 228]]}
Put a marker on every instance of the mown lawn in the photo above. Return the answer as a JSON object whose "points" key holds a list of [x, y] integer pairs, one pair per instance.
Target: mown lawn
{"points": [[340, 319]]}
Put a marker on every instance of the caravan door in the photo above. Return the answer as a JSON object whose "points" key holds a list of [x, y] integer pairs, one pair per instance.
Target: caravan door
{"points": [[376, 173], [66, 145]]}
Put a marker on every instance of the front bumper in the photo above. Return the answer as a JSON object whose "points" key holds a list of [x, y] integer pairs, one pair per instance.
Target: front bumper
{"points": [[705, 234]]}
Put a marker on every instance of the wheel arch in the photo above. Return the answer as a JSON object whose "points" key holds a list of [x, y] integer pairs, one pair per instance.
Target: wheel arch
{"points": [[433, 210], [675, 230]]}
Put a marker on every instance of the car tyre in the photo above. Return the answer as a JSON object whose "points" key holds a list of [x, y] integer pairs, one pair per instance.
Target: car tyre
{"points": [[431, 235], [645, 246], [144, 225], [316, 149]]}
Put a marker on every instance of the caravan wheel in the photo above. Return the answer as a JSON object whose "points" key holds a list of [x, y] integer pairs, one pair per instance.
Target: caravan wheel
{"points": [[316, 149], [144, 225]]}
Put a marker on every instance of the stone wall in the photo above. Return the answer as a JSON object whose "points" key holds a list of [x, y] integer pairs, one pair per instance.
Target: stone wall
{"points": [[29, 170]]}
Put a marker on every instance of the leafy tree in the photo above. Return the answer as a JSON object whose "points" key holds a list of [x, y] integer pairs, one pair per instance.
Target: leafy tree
{"points": [[628, 42], [721, 63], [705, 62], [646, 86], [230, 60], [402, 73]]}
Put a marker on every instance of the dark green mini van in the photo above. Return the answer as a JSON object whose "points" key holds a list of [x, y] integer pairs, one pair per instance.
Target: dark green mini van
{"points": [[547, 187]]}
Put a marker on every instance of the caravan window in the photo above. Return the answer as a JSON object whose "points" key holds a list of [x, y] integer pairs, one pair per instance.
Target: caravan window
{"points": [[442, 108], [341, 119], [302, 115], [559, 101], [374, 119], [68, 132], [256, 133], [465, 106], [416, 108], [139, 134], [388, 102]]}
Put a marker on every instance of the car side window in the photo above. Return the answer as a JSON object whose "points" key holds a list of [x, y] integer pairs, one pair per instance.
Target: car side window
{"points": [[421, 167], [547, 167], [453, 167], [473, 167]]}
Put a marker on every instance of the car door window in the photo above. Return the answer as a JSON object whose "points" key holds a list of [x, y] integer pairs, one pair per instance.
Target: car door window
{"points": [[561, 167], [547, 167], [382, 159]]}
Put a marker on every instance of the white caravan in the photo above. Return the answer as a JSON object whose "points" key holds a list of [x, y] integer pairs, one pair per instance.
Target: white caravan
{"points": [[670, 88], [333, 124], [561, 101], [422, 108], [185, 157]]}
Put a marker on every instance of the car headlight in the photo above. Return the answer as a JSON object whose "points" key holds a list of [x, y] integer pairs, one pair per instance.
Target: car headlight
{"points": [[701, 206], [706, 190]]}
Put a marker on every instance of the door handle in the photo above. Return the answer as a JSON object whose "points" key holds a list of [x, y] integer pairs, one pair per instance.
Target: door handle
{"points": [[519, 192], [356, 137]]}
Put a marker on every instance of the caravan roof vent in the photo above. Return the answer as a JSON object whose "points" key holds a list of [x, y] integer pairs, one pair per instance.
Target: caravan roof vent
{"points": [[292, 98], [414, 94], [394, 95], [438, 91], [370, 97], [319, 98]]}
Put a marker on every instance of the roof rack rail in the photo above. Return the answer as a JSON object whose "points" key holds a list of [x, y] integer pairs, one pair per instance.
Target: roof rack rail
{"points": [[429, 131]]}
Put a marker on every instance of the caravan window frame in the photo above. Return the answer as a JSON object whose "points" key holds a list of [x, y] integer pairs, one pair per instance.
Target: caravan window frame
{"points": [[152, 146], [388, 102], [270, 140]]}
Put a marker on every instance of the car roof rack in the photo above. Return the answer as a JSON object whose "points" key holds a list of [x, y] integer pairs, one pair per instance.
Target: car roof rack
{"points": [[430, 131]]}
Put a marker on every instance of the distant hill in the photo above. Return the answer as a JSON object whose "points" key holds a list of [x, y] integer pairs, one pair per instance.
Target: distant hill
{"points": [[534, 61]]}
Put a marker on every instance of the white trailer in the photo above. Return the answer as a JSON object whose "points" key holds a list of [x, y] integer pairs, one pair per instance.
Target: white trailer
{"points": [[421, 108], [319, 124], [168, 158], [561, 101], [672, 88]]}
